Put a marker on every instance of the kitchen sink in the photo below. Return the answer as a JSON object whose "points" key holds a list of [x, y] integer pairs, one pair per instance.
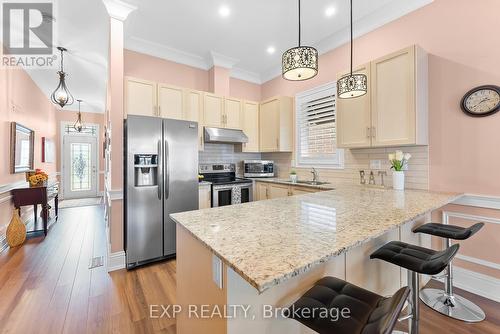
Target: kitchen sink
{"points": [[313, 183]]}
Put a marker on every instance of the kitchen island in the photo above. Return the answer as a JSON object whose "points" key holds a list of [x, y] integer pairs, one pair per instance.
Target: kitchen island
{"points": [[270, 252]]}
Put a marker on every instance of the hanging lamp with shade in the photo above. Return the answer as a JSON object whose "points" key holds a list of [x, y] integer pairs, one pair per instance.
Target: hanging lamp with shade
{"points": [[79, 123], [61, 95], [353, 84], [300, 62]]}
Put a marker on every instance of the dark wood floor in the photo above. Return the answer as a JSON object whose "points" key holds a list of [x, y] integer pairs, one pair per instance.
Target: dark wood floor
{"points": [[46, 286]]}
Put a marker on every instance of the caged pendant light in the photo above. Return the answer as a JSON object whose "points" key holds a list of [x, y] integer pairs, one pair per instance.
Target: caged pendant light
{"points": [[301, 62], [353, 84], [61, 95], [79, 124]]}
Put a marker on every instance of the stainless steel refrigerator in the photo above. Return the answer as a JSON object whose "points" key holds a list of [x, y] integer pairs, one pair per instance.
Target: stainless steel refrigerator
{"points": [[161, 177]]}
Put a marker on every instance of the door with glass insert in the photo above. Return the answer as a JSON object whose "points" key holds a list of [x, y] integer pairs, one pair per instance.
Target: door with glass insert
{"points": [[80, 166]]}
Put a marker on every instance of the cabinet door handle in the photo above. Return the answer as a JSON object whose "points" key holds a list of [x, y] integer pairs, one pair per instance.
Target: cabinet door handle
{"points": [[277, 143], [159, 110], [374, 132], [368, 132]]}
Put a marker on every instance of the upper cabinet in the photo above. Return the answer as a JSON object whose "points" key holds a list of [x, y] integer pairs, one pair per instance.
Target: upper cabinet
{"points": [[395, 110], [276, 125], [251, 126], [233, 113], [140, 97], [213, 110], [170, 102]]}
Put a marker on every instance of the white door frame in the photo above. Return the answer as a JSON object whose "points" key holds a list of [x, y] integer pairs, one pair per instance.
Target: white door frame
{"points": [[98, 152]]}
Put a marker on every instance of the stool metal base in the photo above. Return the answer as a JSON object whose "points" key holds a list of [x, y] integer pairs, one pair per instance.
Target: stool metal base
{"points": [[454, 306]]}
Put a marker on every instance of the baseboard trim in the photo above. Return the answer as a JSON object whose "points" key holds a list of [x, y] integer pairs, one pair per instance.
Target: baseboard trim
{"points": [[480, 201], [116, 261], [476, 283]]}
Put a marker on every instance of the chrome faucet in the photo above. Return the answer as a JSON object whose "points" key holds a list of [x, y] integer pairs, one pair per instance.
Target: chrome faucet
{"points": [[315, 175]]}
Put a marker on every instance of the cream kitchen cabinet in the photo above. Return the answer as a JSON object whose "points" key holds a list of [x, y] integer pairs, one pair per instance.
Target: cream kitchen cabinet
{"points": [[302, 190], [261, 191], [251, 126], [140, 97], [171, 102], [193, 106], [267, 190], [233, 113], [398, 103], [213, 110], [276, 125], [204, 196]]}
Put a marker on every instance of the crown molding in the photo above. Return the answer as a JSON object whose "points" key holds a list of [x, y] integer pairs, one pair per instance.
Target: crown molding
{"points": [[118, 9], [384, 15], [241, 74], [218, 59], [161, 51]]}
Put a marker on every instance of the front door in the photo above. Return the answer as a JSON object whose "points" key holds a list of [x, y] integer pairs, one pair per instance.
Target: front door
{"points": [[79, 166]]}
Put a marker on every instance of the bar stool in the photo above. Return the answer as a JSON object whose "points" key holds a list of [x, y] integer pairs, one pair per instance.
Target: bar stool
{"points": [[445, 301], [417, 260], [369, 312]]}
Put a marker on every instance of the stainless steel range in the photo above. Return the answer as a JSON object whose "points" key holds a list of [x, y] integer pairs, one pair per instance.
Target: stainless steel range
{"points": [[227, 189]]}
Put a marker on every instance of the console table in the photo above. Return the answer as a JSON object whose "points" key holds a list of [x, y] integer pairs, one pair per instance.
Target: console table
{"points": [[38, 195]]}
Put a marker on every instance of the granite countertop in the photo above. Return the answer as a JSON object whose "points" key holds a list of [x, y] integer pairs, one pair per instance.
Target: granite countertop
{"points": [[268, 242]]}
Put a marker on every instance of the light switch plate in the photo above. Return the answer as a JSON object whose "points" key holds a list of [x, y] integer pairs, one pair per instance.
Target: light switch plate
{"points": [[375, 164]]}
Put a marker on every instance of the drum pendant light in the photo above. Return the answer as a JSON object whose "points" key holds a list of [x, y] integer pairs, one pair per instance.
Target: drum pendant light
{"points": [[301, 62], [353, 84], [79, 124], [61, 95]]}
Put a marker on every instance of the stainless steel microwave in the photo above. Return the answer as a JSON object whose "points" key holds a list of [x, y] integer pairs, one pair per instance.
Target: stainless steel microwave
{"points": [[258, 168]]}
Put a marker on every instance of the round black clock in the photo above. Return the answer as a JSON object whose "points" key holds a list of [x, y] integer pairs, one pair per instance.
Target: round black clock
{"points": [[481, 101]]}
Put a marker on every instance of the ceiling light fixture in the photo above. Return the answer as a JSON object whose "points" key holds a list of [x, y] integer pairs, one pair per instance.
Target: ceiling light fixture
{"points": [[79, 124], [224, 11], [353, 84], [61, 94], [271, 50], [301, 62], [330, 11]]}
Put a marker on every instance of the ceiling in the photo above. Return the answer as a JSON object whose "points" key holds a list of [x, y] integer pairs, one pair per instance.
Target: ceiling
{"points": [[188, 31], [192, 32]]}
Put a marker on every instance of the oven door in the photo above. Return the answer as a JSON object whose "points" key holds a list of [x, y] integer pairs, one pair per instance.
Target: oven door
{"points": [[222, 195], [246, 193]]}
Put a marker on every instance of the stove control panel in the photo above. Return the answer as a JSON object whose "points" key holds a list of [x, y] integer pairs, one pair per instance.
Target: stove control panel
{"points": [[216, 168]]}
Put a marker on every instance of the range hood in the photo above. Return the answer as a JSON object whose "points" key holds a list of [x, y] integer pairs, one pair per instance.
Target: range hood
{"points": [[220, 135]]}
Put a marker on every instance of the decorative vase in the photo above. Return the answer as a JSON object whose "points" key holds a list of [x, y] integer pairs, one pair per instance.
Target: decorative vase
{"points": [[293, 178], [398, 180], [16, 231]]}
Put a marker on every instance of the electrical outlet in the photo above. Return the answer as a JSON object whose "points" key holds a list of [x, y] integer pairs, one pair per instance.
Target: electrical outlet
{"points": [[375, 164]]}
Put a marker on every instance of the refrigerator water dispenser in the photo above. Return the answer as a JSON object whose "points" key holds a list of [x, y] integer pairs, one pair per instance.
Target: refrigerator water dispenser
{"points": [[146, 170]]}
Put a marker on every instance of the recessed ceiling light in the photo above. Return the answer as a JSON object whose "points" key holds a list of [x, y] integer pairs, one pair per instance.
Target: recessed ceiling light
{"points": [[271, 50], [224, 11], [330, 11]]}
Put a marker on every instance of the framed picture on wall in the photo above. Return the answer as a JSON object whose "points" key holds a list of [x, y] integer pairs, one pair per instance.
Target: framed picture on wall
{"points": [[48, 150]]}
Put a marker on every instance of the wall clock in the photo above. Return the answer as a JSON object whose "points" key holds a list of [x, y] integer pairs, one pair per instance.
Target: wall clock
{"points": [[481, 101]]}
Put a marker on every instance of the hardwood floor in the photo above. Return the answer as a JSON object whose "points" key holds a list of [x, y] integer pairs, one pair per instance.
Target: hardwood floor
{"points": [[46, 286]]}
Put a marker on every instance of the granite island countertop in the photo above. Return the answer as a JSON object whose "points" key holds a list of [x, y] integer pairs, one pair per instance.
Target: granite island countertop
{"points": [[269, 242]]}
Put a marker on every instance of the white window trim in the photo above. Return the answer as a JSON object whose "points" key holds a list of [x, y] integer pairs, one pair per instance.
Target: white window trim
{"points": [[339, 163]]}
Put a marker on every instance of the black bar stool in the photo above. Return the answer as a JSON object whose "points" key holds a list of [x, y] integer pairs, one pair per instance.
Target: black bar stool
{"points": [[369, 312], [417, 260], [445, 301]]}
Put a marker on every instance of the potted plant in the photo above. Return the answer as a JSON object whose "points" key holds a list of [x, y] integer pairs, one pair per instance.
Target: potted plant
{"points": [[293, 176], [399, 162]]}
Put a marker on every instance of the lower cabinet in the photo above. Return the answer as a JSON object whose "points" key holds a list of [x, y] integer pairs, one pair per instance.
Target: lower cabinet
{"points": [[204, 196], [265, 190]]}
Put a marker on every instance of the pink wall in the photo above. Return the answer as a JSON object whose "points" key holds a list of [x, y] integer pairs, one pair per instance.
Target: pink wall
{"points": [[464, 153], [22, 101], [151, 68]]}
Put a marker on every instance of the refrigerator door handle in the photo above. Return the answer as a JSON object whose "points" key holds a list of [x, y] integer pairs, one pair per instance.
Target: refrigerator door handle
{"points": [[159, 172], [166, 172]]}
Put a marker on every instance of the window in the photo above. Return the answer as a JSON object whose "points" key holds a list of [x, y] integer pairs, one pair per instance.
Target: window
{"points": [[316, 136]]}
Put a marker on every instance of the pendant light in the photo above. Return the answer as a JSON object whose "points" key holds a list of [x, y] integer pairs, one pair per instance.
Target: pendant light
{"points": [[301, 62], [79, 124], [61, 94], [353, 84]]}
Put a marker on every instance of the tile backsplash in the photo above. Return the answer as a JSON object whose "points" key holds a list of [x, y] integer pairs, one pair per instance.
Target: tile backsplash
{"points": [[417, 175], [217, 153]]}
